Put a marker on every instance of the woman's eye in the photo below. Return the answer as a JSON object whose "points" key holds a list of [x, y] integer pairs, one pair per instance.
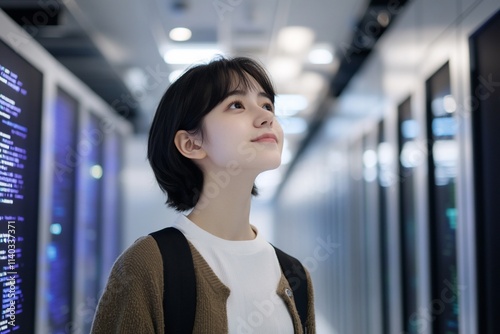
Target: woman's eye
{"points": [[269, 107], [236, 105]]}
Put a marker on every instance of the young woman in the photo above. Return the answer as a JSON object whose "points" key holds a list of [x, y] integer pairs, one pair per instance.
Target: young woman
{"points": [[214, 131]]}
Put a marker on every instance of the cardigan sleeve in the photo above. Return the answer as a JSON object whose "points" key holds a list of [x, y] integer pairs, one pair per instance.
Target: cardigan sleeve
{"points": [[132, 299], [311, 317]]}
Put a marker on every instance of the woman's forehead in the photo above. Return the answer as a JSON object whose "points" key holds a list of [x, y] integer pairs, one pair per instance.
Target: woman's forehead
{"points": [[244, 82]]}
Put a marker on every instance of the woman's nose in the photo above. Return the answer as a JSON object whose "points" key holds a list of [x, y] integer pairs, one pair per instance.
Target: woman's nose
{"points": [[266, 122], [265, 118]]}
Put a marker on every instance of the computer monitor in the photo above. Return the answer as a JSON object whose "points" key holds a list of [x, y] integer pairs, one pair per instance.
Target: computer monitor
{"points": [[88, 235], [407, 133], [484, 102], [60, 248], [21, 87], [442, 166]]}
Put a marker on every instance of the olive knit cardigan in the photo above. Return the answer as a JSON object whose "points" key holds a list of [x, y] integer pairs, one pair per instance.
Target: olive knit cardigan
{"points": [[133, 299]]}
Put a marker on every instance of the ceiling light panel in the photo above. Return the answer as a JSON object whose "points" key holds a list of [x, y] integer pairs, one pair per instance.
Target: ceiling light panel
{"points": [[180, 34], [295, 39]]}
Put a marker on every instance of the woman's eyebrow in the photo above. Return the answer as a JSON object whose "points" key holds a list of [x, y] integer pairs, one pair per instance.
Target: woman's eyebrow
{"points": [[244, 92]]}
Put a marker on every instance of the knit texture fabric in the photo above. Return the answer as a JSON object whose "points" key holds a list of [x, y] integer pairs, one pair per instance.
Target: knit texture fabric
{"points": [[132, 300]]}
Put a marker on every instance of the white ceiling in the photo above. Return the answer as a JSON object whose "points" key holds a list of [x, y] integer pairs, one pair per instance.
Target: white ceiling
{"points": [[132, 33]]}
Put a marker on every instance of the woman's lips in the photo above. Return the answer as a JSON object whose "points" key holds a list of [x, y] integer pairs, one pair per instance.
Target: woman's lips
{"points": [[267, 137]]}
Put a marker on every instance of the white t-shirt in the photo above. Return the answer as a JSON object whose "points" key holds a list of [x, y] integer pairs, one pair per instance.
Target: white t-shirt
{"points": [[250, 269]]}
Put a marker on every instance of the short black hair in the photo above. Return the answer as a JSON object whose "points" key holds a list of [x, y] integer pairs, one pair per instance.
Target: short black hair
{"points": [[183, 107]]}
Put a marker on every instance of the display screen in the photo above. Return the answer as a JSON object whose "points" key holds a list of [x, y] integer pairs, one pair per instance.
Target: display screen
{"points": [[20, 127], [383, 193], [60, 249], [442, 164], [111, 246], [485, 112], [92, 207], [409, 158]]}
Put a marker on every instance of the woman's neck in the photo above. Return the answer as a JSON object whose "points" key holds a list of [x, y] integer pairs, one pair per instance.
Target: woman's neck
{"points": [[224, 211]]}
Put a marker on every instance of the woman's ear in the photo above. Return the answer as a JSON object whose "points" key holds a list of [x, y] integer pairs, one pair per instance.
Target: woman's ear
{"points": [[189, 145]]}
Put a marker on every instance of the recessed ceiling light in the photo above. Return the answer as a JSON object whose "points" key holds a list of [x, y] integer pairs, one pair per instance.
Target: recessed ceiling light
{"points": [[383, 18], [295, 39], [180, 34], [320, 56]]}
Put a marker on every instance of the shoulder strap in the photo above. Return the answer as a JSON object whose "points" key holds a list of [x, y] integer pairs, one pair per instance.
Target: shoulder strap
{"points": [[179, 281], [297, 278]]}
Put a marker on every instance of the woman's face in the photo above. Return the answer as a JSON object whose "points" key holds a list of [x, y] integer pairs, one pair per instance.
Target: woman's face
{"points": [[242, 131]]}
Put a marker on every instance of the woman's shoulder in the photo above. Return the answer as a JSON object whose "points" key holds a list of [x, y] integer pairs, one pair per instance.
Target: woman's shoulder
{"points": [[141, 257], [132, 299]]}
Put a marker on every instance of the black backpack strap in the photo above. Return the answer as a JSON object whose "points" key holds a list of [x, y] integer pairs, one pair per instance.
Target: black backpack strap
{"points": [[179, 281], [297, 278]]}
